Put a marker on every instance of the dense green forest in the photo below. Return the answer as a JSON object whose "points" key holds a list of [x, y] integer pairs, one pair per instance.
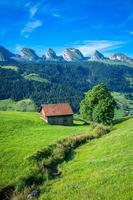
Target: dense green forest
{"points": [[58, 82]]}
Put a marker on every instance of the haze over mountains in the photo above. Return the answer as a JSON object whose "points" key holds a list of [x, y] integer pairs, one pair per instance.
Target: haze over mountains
{"points": [[69, 55]]}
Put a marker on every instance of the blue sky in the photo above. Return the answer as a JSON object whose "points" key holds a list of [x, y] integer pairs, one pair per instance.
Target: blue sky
{"points": [[85, 24]]}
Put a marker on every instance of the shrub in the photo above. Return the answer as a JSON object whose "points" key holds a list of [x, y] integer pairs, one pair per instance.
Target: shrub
{"points": [[29, 181], [7, 192], [20, 196], [100, 130], [39, 155]]}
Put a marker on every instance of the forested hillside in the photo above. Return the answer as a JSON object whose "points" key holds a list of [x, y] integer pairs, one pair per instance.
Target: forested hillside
{"points": [[52, 82]]}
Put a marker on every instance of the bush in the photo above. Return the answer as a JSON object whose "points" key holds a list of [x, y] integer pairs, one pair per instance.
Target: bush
{"points": [[100, 130], [39, 155], [29, 181], [25, 105], [20, 196], [56, 153], [7, 192]]}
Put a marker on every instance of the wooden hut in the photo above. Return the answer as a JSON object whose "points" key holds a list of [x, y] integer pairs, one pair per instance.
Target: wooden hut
{"points": [[57, 114]]}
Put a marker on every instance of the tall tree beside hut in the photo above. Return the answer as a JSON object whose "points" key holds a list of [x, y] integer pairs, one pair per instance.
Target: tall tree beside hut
{"points": [[98, 105]]}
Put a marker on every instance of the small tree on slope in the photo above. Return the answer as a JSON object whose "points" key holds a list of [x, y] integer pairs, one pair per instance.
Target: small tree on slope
{"points": [[98, 105]]}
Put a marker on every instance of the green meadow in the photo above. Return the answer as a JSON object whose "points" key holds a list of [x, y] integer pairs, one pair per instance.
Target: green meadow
{"points": [[35, 77], [15, 68], [125, 105], [22, 134], [100, 170], [25, 105]]}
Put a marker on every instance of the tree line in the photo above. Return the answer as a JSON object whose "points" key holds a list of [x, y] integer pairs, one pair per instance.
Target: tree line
{"points": [[66, 82]]}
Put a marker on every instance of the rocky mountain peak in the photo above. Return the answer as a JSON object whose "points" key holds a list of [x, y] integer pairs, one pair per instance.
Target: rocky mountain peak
{"points": [[69, 54], [29, 54], [5, 54], [117, 56], [72, 54], [97, 56], [51, 55], [121, 57]]}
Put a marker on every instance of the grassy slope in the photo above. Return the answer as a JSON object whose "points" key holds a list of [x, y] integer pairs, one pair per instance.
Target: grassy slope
{"points": [[111, 62], [15, 68], [21, 134], [101, 169], [35, 77], [22, 105], [125, 105]]}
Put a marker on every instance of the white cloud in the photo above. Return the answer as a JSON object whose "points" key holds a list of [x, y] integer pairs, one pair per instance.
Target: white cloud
{"points": [[33, 10], [30, 27], [131, 33], [88, 47], [56, 15]]}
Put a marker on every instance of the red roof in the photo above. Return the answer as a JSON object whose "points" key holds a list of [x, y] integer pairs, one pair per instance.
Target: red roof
{"points": [[57, 109]]}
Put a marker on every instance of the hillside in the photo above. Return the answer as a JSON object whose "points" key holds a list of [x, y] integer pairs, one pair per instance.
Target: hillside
{"points": [[53, 82], [124, 104], [25, 105], [101, 169], [22, 134]]}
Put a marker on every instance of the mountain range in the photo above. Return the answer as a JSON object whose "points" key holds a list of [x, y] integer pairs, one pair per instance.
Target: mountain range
{"points": [[69, 55]]}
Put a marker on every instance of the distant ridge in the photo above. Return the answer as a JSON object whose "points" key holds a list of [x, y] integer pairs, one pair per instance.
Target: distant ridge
{"points": [[68, 55], [5, 54]]}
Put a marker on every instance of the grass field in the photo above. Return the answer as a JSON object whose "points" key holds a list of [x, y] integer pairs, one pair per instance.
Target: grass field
{"points": [[22, 134], [113, 62], [25, 105], [35, 77], [15, 68], [125, 106], [100, 170]]}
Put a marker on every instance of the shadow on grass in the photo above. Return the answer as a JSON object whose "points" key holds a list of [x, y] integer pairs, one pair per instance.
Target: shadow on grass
{"points": [[118, 121], [55, 172], [80, 124], [70, 156]]}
